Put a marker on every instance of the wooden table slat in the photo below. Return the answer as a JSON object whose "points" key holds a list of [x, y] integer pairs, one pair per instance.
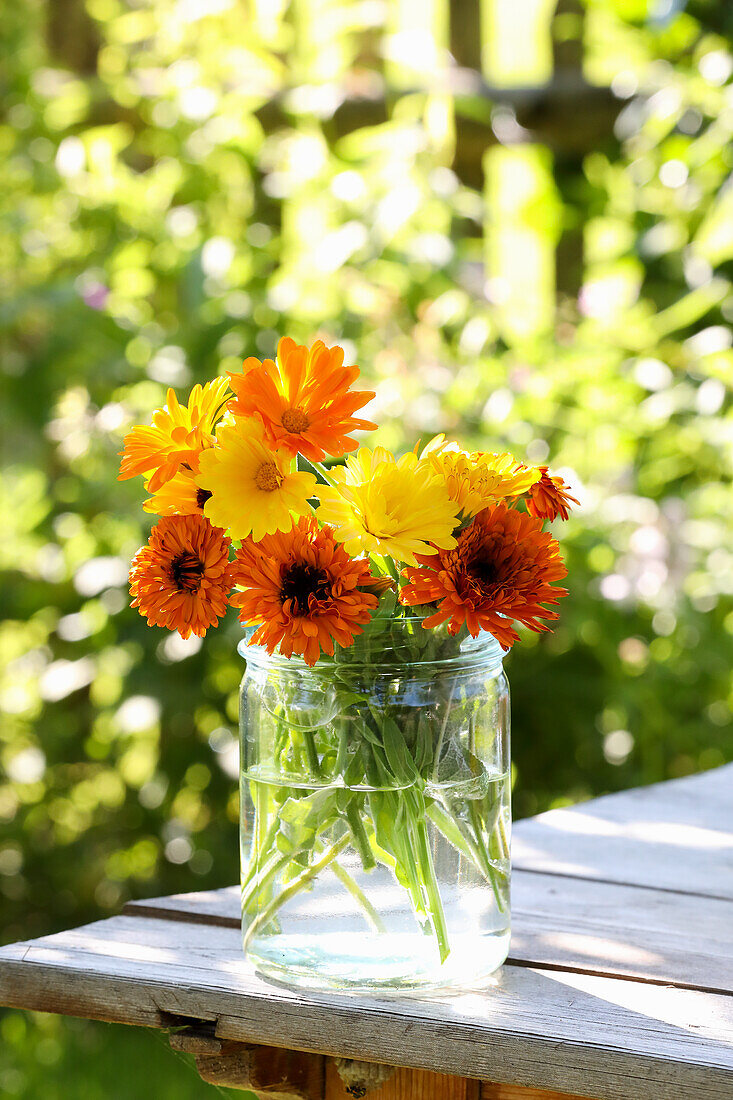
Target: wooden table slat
{"points": [[674, 836], [560, 921], [620, 988], [612, 1039]]}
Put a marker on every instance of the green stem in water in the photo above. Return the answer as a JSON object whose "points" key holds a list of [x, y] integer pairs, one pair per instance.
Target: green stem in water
{"points": [[495, 876], [312, 753], [469, 848], [372, 916], [361, 840], [262, 847], [504, 839], [265, 915], [443, 725], [432, 891], [254, 885], [455, 836]]}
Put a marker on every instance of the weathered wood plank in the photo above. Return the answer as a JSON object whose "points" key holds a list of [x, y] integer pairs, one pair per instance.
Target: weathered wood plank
{"points": [[623, 931], [672, 836], [269, 1072], [514, 1092], [575, 1033], [604, 928], [216, 907]]}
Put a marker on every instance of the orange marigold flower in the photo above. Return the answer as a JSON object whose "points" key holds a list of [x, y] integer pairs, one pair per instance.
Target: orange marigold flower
{"points": [[182, 578], [302, 399], [177, 437], [304, 589], [549, 497], [501, 570]]}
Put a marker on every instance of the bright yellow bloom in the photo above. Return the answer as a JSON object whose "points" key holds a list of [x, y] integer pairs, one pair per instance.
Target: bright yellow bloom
{"points": [[383, 506], [477, 480], [178, 435], [254, 490]]}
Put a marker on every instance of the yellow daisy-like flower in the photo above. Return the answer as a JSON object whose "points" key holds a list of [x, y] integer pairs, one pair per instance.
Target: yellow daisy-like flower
{"points": [[178, 435], [383, 506], [477, 480], [254, 490]]}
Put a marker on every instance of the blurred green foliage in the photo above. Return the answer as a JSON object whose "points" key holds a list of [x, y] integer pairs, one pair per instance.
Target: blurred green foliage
{"points": [[65, 1059], [182, 181]]}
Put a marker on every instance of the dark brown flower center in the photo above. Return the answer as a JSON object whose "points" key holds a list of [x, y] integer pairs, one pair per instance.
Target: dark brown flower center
{"points": [[202, 495], [294, 420], [187, 571], [482, 572], [302, 581]]}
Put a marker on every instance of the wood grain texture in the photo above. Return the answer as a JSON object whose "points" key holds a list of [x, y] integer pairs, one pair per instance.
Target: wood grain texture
{"points": [[269, 1072], [298, 1075], [192, 1041], [575, 1033], [407, 1084], [514, 1092], [671, 836], [622, 931], [561, 921], [230, 1068]]}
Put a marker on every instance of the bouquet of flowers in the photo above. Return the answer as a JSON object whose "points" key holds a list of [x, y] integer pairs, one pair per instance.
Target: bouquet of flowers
{"points": [[318, 556]]}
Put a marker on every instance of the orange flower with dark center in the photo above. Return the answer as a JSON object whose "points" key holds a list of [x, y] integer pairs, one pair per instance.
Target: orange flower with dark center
{"points": [[501, 570], [182, 578], [303, 399], [304, 589], [549, 497]]}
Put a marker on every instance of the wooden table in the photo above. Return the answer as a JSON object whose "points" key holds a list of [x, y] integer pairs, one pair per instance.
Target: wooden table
{"points": [[619, 985]]}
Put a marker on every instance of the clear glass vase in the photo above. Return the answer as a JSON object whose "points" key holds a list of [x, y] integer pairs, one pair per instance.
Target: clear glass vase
{"points": [[375, 811]]}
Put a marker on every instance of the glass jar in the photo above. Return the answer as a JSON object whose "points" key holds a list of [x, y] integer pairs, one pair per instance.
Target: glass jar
{"points": [[375, 811]]}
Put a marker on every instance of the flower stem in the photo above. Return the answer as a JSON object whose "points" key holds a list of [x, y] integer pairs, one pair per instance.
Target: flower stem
{"points": [[319, 470], [361, 840], [255, 884], [435, 904], [265, 915], [470, 848], [391, 568], [312, 753], [264, 840], [443, 725], [372, 916]]}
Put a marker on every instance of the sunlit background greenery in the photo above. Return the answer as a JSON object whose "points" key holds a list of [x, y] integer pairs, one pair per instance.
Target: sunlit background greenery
{"points": [[518, 220]]}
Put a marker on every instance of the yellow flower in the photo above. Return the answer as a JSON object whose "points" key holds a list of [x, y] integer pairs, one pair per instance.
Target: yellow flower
{"points": [[384, 506], [254, 490], [180, 496], [477, 480], [178, 435]]}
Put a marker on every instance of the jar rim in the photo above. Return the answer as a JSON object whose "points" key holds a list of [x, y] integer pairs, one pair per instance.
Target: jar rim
{"points": [[482, 650]]}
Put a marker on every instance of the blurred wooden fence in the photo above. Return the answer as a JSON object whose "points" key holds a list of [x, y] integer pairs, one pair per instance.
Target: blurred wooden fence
{"points": [[504, 97], [498, 90]]}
